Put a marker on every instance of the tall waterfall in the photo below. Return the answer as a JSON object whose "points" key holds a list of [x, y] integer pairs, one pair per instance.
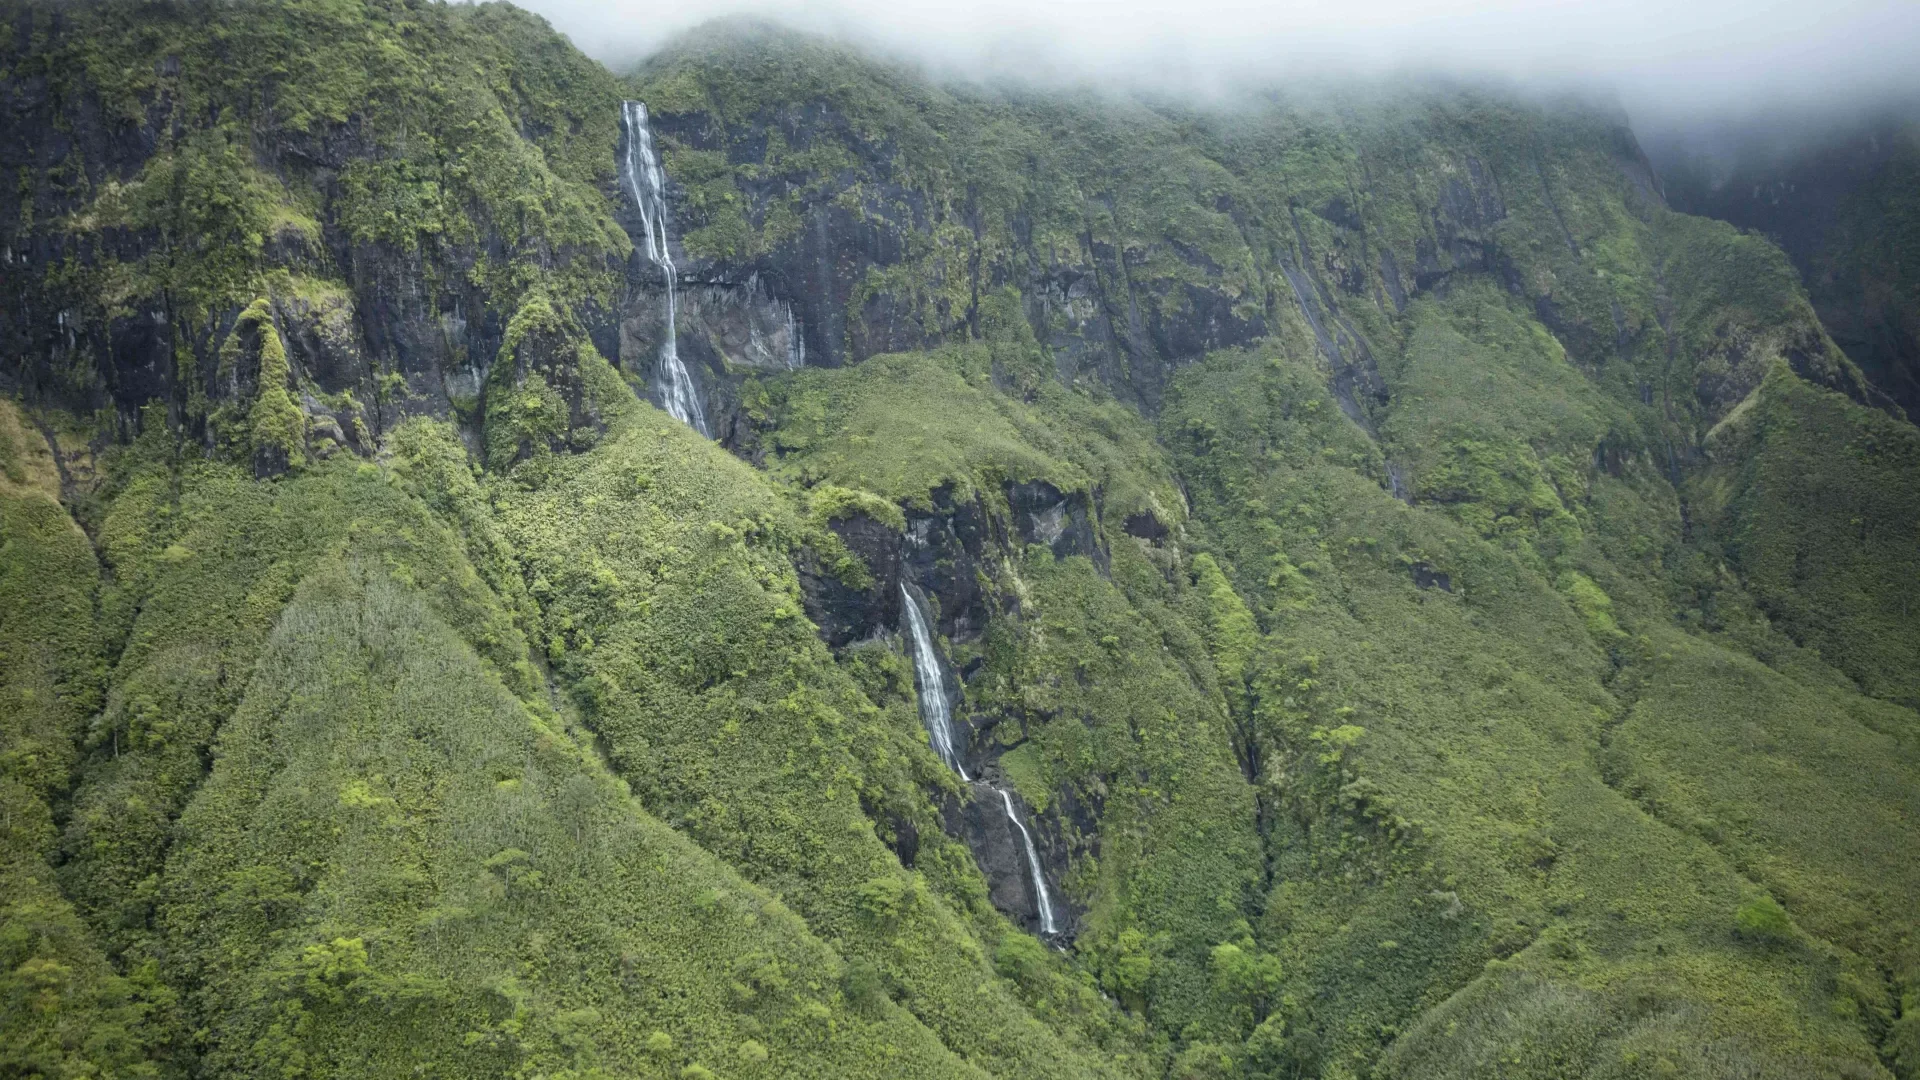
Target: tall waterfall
{"points": [[935, 710], [1047, 925], [936, 713], [641, 170]]}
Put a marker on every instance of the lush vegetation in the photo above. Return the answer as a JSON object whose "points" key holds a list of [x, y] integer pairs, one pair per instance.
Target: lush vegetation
{"points": [[1442, 613]]}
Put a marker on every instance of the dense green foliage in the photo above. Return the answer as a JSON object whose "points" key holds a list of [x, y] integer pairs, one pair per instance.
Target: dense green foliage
{"points": [[64, 1011], [1454, 619], [662, 569], [398, 819], [1820, 513], [904, 426], [453, 152], [1519, 776], [1102, 689]]}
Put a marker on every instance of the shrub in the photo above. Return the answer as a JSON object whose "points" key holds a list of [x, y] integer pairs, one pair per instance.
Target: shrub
{"points": [[882, 897], [864, 985], [1022, 959], [1762, 919]]}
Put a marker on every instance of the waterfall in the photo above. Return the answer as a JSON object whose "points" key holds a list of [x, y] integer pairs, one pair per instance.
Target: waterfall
{"points": [[796, 345], [936, 714], [1047, 925], [641, 170]]}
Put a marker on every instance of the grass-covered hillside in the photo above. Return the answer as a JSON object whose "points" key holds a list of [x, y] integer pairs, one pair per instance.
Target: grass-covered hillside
{"points": [[1415, 604]]}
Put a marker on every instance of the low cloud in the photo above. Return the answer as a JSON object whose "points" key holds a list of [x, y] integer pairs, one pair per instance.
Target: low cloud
{"points": [[1670, 62]]}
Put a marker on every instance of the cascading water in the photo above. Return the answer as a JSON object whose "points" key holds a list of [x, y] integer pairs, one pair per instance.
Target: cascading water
{"points": [[936, 714], [641, 170], [1047, 925]]}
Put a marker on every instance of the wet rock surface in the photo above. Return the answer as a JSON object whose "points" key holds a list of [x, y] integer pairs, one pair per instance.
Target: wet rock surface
{"points": [[846, 614], [983, 823], [1061, 522]]}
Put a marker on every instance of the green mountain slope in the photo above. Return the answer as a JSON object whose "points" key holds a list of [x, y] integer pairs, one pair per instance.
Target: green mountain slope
{"points": [[64, 1010], [456, 848], [1836, 192], [1415, 604]]}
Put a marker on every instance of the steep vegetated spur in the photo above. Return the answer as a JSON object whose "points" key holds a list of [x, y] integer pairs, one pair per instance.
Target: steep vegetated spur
{"points": [[1406, 602]]}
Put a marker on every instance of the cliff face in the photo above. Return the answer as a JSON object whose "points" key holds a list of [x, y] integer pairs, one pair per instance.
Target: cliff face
{"points": [[179, 175], [1434, 609], [1840, 203], [395, 198], [1130, 238]]}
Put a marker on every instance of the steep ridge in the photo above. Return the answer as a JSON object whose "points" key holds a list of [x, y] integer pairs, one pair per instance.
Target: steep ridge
{"points": [[1415, 605], [459, 848], [187, 150], [663, 569], [389, 837], [1836, 193], [1133, 236]]}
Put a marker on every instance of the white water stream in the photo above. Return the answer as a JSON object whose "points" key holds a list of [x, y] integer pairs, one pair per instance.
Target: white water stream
{"points": [[641, 170], [1047, 925], [937, 714]]}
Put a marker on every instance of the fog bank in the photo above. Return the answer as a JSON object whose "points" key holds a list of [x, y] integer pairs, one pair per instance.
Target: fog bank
{"points": [[1671, 63]]}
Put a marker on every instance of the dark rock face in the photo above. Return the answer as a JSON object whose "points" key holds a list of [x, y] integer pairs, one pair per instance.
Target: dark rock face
{"points": [[1390, 275], [1469, 207], [729, 324], [821, 268], [945, 558], [1043, 515], [1719, 387], [439, 340], [982, 822], [1426, 577], [944, 554], [735, 327], [906, 840], [441, 344], [1146, 527], [845, 614], [393, 276], [1356, 381], [949, 553], [1087, 310]]}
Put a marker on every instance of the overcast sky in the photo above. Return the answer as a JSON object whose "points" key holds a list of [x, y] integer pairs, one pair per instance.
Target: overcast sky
{"points": [[1682, 57]]}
